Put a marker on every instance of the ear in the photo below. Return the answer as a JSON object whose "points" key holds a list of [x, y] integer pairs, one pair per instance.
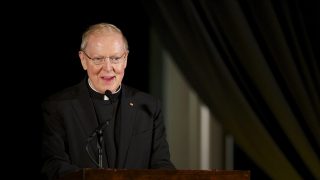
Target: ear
{"points": [[83, 60], [124, 64]]}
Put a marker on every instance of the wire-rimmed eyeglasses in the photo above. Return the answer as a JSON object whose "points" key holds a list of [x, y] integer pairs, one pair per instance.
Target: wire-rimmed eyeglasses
{"points": [[100, 60]]}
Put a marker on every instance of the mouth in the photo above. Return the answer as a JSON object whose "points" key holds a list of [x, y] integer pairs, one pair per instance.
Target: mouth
{"points": [[108, 79]]}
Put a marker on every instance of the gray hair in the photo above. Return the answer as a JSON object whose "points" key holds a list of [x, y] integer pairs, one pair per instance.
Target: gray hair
{"points": [[100, 28]]}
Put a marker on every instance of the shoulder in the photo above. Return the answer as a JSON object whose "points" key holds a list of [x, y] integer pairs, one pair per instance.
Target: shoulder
{"points": [[144, 103], [142, 100], [131, 92]]}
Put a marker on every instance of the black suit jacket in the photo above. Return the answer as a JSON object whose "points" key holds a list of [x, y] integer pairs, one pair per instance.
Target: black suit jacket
{"points": [[69, 119]]}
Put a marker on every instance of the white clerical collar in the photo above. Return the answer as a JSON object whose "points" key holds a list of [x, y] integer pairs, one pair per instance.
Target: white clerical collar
{"points": [[104, 97]]}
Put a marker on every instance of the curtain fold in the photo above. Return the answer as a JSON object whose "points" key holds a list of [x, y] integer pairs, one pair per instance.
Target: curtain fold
{"points": [[251, 62]]}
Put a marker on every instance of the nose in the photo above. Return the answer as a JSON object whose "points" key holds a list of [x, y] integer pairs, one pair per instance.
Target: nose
{"points": [[107, 64]]}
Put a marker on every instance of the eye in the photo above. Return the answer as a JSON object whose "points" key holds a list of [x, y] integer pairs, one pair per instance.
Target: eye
{"points": [[98, 59], [115, 59]]}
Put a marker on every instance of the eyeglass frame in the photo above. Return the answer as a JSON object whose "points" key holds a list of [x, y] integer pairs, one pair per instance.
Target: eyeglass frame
{"points": [[100, 60]]}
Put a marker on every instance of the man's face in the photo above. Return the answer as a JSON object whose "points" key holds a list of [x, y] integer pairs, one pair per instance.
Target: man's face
{"points": [[105, 76]]}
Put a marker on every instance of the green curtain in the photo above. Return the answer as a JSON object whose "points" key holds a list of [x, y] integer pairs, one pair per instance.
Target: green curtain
{"points": [[253, 64]]}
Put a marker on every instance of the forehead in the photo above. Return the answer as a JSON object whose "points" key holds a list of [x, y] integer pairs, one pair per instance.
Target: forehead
{"points": [[105, 39]]}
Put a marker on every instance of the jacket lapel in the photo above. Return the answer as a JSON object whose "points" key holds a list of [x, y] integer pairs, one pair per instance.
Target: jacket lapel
{"points": [[85, 111], [126, 125]]}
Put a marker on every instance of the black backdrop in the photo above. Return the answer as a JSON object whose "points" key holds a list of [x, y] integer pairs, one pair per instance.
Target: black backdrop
{"points": [[41, 57]]}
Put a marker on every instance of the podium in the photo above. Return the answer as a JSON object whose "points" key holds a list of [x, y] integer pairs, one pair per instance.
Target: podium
{"points": [[144, 174]]}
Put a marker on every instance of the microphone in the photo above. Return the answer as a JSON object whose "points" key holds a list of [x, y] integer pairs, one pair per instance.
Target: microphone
{"points": [[108, 93]]}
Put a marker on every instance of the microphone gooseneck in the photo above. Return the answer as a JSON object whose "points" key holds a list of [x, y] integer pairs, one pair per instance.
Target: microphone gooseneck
{"points": [[99, 133]]}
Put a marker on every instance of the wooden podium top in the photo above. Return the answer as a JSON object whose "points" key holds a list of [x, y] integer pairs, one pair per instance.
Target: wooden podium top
{"points": [[143, 174]]}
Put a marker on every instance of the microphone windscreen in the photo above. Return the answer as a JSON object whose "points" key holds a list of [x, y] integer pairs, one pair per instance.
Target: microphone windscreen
{"points": [[108, 93]]}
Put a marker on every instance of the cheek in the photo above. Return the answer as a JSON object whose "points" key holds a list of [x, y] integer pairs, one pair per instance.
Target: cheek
{"points": [[119, 70], [93, 70]]}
